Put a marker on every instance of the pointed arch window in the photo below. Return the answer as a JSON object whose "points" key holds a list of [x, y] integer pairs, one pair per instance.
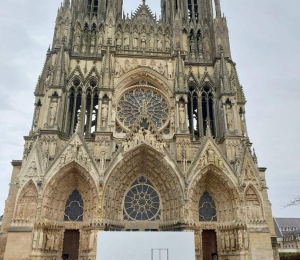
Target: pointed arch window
{"points": [[74, 207], [84, 106], [208, 117], [142, 202], [207, 208], [193, 113], [93, 6], [193, 12]]}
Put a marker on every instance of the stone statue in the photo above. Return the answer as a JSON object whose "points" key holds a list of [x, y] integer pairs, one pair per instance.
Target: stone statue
{"points": [[100, 42], [53, 112], [246, 240], [143, 42], [84, 43], [40, 245], [200, 45], [32, 171], [118, 69], [113, 116], [104, 114], [119, 41], [152, 42], [229, 117], [161, 69], [48, 243], [36, 116], [168, 44], [34, 240], [227, 241], [232, 241], [135, 41], [172, 120], [92, 240], [193, 47], [160, 44], [223, 241], [240, 239], [127, 65], [126, 41], [93, 44], [57, 241], [182, 116], [77, 42]]}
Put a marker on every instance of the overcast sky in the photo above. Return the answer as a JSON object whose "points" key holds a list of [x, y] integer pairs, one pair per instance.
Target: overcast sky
{"points": [[265, 44]]}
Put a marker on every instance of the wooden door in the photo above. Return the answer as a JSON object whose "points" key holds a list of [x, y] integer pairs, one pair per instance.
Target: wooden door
{"points": [[71, 245], [209, 244]]}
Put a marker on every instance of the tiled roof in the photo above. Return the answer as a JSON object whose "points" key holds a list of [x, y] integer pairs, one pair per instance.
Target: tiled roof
{"points": [[286, 222]]}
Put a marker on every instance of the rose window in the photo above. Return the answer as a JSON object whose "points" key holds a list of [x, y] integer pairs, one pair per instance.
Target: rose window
{"points": [[143, 100], [142, 202], [207, 208]]}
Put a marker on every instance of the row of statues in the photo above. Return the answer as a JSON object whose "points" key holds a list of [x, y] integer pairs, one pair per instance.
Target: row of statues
{"points": [[88, 42], [143, 136], [46, 240], [233, 240], [143, 41]]}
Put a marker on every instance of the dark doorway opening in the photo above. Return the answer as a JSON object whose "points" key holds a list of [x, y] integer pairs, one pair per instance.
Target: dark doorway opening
{"points": [[209, 244], [71, 245]]}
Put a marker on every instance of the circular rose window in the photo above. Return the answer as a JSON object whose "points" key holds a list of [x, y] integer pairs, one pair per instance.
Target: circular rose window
{"points": [[142, 202], [142, 100]]}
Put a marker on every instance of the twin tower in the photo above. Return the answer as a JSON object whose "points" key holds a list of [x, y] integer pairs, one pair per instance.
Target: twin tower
{"points": [[139, 124]]}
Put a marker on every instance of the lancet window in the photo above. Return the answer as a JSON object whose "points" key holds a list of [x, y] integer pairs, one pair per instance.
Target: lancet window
{"points": [[93, 6], [207, 208], [142, 202], [193, 113], [208, 117], [74, 106], [74, 207], [84, 106], [193, 11], [201, 111]]}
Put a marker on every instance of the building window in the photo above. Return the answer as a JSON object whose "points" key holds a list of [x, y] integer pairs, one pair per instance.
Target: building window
{"points": [[207, 208], [142, 202], [193, 113], [193, 12], [143, 101], [93, 6], [208, 110], [74, 207]]}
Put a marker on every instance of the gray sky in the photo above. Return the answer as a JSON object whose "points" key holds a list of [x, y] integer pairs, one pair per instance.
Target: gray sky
{"points": [[265, 45]]}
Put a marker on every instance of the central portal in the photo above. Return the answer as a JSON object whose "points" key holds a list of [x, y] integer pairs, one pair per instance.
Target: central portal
{"points": [[71, 245]]}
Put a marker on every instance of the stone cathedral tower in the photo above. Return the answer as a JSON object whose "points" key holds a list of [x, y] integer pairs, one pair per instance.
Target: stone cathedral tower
{"points": [[139, 124]]}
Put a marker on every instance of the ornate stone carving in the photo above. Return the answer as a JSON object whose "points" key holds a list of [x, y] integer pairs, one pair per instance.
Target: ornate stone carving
{"points": [[53, 111], [229, 117]]}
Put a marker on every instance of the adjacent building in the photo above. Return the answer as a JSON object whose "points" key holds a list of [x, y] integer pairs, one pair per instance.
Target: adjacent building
{"points": [[288, 234], [139, 124]]}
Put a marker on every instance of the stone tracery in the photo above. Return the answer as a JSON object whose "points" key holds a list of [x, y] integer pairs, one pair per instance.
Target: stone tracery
{"points": [[59, 189]]}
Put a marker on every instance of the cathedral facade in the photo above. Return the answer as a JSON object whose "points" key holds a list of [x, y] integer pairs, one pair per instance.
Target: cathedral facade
{"points": [[139, 124]]}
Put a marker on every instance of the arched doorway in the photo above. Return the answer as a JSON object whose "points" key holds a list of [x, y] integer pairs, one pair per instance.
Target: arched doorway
{"points": [[143, 171], [69, 202]]}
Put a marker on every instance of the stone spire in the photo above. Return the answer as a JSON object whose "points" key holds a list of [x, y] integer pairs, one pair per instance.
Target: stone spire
{"points": [[180, 75]]}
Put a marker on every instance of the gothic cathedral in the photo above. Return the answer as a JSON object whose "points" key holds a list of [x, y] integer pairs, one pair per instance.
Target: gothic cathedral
{"points": [[139, 124]]}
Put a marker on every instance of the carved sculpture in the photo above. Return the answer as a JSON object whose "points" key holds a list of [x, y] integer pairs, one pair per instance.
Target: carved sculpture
{"points": [[104, 114], [229, 117], [53, 112], [182, 116]]}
